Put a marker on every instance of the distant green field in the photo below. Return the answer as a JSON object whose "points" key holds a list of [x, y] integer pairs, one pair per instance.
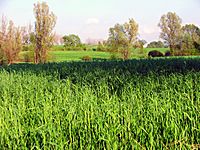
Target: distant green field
{"points": [[58, 55]]}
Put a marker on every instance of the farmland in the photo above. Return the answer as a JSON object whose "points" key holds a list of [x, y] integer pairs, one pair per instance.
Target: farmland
{"points": [[57, 54], [133, 104], [60, 56]]}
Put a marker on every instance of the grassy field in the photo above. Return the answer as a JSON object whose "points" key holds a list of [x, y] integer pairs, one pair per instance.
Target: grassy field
{"points": [[60, 56], [57, 54], [135, 104]]}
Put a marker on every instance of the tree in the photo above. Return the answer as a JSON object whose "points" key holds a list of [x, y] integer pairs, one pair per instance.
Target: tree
{"points": [[44, 25], [1, 51], [170, 25], [71, 40], [10, 41], [140, 43], [156, 44], [122, 37], [190, 36]]}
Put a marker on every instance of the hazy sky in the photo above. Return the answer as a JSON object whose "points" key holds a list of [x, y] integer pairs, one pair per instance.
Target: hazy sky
{"points": [[93, 18]]}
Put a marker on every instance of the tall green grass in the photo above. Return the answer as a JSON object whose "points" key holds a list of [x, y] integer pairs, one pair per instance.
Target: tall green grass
{"points": [[138, 104]]}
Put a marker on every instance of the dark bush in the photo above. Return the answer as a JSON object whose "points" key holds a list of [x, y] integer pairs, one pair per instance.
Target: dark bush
{"points": [[167, 53], [86, 58], [155, 53]]}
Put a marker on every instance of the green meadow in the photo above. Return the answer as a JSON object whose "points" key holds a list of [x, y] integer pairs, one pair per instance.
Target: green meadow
{"points": [[58, 54]]}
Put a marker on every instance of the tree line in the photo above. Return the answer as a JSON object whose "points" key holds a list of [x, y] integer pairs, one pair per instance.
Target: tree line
{"points": [[122, 37]]}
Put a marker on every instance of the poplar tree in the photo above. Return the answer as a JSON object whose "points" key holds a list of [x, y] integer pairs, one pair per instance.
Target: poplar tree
{"points": [[44, 36]]}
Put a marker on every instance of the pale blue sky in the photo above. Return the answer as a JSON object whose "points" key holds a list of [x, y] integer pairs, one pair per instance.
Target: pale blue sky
{"points": [[93, 18]]}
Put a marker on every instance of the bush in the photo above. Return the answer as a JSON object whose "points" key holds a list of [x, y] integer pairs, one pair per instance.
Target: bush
{"points": [[186, 52], [28, 56], [86, 58], [3, 60], [155, 53], [167, 53], [114, 57]]}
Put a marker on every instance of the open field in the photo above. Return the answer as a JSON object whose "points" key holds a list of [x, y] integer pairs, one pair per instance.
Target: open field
{"points": [[135, 104], [58, 55]]}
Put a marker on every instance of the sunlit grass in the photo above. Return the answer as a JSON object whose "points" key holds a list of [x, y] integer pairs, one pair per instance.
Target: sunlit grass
{"points": [[138, 104]]}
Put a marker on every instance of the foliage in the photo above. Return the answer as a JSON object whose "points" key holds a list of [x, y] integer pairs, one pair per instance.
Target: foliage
{"points": [[167, 53], [156, 44], [86, 58], [140, 44], [170, 25], [44, 24], [122, 37], [101, 47], [136, 104], [186, 52], [10, 41], [155, 53], [114, 56], [71, 40], [190, 36], [28, 56]]}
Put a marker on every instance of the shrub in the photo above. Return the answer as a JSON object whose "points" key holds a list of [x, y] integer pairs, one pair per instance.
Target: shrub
{"points": [[167, 53], [28, 56], [114, 57], [155, 53], [86, 58]]}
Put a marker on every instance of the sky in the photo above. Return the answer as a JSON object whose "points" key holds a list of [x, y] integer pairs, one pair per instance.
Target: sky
{"points": [[93, 18]]}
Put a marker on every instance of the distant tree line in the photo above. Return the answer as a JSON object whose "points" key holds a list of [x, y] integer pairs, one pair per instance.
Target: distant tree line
{"points": [[156, 44]]}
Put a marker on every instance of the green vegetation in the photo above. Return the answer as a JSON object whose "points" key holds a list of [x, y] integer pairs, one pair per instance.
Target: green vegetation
{"points": [[156, 44], [136, 104], [59, 56]]}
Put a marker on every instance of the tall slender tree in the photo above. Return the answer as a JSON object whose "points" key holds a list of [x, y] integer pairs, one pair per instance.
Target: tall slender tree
{"points": [[44, 36], [170, 25]]}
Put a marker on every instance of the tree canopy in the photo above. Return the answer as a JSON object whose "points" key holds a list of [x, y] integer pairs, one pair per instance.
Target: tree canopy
{"points": [[170, 25], [122, 37], [156, 44], [190, 36], [71, 40]]}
